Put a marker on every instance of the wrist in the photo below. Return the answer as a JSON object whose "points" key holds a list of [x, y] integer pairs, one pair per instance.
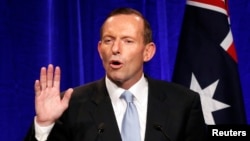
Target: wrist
{"points": [[43, 122]]}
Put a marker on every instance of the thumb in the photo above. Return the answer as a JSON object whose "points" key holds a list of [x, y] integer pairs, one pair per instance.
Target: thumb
{"points": [[66, 97]]}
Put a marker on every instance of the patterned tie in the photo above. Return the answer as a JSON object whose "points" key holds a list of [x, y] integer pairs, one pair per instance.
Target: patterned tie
{"points": [[130, 124]]}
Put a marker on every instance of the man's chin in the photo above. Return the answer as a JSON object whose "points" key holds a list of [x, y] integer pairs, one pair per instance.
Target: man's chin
{"points": [[117, 79]]}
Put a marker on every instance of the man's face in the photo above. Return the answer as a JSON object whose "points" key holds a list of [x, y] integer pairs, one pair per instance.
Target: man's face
{"points": [[122, 49]]}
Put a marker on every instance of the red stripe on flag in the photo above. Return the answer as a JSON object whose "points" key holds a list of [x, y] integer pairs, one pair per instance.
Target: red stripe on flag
{"points": [[218, 3], [232, 52]]}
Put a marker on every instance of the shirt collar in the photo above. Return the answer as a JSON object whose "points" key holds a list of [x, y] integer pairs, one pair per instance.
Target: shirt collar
{"points": [[139, 89]]}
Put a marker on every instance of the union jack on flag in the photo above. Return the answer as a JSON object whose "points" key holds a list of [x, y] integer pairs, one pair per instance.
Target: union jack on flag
{"points": [[207, 61]]}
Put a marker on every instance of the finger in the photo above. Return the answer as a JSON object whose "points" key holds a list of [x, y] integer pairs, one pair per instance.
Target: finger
{"points": [[50, 75], [43, 78], [37, 88], [57, 77], [66, 97]]}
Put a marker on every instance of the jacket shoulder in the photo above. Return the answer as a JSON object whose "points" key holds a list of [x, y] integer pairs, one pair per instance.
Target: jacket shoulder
{"points": [[167, 84], [170, 88]]}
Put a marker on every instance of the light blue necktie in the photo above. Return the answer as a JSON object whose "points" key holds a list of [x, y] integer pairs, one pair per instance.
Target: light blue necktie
{"points": [[130, 124]]}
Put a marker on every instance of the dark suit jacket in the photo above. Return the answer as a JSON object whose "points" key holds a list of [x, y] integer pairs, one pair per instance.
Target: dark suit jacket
{"points": [[90, 116]]}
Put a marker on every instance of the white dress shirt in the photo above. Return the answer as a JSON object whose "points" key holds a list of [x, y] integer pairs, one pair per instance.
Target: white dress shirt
{"points": [[140, 92]]}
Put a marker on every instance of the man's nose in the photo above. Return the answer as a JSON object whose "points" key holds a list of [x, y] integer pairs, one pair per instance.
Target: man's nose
{"points": [[116, 47]]}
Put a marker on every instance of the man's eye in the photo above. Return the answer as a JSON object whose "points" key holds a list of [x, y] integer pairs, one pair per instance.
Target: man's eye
{"points": [[128, 41], [107, 41]]}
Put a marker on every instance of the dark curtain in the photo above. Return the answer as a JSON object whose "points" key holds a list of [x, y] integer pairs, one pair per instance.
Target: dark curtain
{"points": [[34, 33]]}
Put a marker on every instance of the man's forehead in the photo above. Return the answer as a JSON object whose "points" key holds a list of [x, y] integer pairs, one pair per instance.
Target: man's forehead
{"points": [[124, 16]]}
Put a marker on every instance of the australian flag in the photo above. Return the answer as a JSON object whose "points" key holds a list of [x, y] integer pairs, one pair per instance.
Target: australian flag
{"points": [[207, 62]]}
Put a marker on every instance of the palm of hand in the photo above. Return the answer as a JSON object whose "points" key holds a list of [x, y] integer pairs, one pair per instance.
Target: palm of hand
{"points": [[49, 104]]}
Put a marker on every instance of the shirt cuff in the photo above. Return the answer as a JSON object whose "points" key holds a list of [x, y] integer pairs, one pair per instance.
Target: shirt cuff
{"points": [[42, 132]]}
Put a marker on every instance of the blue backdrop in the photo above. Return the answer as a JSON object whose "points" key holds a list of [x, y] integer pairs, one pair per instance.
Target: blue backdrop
{"points": [[34, 33]]}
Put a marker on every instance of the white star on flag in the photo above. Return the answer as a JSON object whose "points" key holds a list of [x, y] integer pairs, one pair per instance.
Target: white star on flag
{"points": [[209, 104]]}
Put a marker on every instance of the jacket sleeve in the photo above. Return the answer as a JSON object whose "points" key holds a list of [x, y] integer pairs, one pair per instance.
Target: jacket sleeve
{"points": [[31, 134], [58, 133]]}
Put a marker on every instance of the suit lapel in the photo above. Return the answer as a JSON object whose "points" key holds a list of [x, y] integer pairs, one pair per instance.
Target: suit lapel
{"points": [[156, 114], [104, 114]]}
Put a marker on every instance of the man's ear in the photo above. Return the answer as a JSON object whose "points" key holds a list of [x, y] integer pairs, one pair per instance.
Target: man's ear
{"points": [[149, 52], [99, 48]]}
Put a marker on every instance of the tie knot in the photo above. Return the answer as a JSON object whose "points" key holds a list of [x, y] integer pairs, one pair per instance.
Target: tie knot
{"points": [[127, 96]]}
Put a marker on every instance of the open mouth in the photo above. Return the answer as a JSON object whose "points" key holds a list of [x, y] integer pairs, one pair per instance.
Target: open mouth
{"points": [[115, 64]]}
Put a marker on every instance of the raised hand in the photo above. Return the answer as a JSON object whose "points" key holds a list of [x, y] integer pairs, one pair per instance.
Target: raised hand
{"points": [[49, 105]]}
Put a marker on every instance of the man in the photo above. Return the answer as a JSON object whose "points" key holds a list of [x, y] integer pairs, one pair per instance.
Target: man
{"points": [[96, 111]]}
